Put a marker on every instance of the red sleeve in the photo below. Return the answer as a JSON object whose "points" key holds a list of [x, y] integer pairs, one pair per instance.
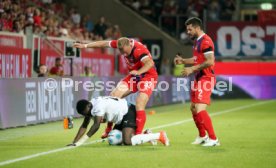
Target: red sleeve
{"points": [[113, 44], [207, 46], [140, 54]]}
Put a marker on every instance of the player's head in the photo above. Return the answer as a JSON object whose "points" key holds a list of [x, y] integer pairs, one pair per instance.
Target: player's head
{"points": [[194, 27], [84, 107], [124, 45]]}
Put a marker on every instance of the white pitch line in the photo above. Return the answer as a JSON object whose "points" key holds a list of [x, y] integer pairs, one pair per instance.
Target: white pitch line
{"points": [[102, 140], [213, 114]]}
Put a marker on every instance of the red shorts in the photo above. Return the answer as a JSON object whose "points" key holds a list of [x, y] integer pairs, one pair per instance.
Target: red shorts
{"points": [[144, 84], [201, 90]]}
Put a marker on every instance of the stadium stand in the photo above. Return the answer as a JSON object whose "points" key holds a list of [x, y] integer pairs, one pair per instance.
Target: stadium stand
{"points": [[55, 19], [171, 14]]}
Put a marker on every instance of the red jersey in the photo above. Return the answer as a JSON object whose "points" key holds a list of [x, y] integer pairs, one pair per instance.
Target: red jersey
{"points": [[203, 45], [138, 53]]}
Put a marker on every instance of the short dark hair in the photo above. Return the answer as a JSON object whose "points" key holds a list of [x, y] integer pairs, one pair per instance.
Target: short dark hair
{"points": [[81, 105], [194, 21]]}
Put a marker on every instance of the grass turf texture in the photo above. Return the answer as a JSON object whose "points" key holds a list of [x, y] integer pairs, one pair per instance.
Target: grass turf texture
{"points": [[247, 137]]}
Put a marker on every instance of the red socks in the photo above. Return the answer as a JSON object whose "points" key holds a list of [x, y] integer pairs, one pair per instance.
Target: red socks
{"points": [[204, 119], [140, 121], [199, 126], [109, 127]]}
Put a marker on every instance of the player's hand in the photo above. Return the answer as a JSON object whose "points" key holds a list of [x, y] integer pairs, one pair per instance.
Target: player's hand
{"points": [[71, 144], [178, 60], [134, 72], [187, 71], [79, 45]]}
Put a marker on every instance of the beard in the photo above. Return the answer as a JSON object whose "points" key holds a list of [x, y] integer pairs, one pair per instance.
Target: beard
{"points": [[193, 37]]}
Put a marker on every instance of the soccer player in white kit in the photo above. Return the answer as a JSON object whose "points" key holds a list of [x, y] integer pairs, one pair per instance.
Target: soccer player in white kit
{"points": [[115, 110]]}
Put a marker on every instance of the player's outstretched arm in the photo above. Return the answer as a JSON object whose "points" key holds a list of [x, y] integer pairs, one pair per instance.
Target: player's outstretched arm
{"points": [[96, 44], [81, 131], [94, 128]]}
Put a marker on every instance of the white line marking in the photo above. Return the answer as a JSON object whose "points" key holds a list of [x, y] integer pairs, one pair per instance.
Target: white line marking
{"points": [[102, 140], [213, 114]]}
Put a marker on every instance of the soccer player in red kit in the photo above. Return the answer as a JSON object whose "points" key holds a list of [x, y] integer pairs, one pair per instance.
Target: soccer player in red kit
{"points": [[203, 61], [142, 75]]}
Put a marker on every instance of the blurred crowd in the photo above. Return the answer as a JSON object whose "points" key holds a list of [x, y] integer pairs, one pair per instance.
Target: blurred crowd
{"points": [[218, 10], [53, 18], [167, 12]]}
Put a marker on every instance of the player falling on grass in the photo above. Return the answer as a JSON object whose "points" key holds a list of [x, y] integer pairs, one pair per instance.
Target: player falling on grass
{"points": [[142, 75], [113, 110], [203, 61]]}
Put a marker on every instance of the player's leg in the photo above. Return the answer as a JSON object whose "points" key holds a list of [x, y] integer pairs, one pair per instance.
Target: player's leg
{"points": [[205, 119], [144, 138], [145, 87], [130, 139], [141, 102], [202, 137], [203, 96], [129, 126], [128, 132], [121, 90]]}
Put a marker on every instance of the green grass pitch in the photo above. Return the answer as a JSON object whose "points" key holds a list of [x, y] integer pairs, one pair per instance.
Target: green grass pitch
{"points": [[246, 129]]}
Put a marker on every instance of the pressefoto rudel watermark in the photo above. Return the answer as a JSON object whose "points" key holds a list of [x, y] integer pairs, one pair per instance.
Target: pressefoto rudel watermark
{"points": [[181, 83]]}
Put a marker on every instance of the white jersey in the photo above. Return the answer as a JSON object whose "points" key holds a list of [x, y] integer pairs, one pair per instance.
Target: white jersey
{"points": [[111, 108]]}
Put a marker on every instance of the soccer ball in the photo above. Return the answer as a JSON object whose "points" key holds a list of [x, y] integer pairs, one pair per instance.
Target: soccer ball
{"points": [[115, 137]]}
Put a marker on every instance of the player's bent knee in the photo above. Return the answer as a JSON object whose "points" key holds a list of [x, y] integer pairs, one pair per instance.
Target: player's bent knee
{"points": [[116, 93]]}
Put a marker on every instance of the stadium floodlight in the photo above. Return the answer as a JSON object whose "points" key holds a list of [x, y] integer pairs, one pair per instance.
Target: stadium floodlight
{"points": [[266, 6]]}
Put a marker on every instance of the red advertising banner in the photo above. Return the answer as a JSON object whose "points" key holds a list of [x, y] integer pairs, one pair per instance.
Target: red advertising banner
{"points": [[11, 41], [15, 63], [245, 68], [243, 38], [100, 64]]}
